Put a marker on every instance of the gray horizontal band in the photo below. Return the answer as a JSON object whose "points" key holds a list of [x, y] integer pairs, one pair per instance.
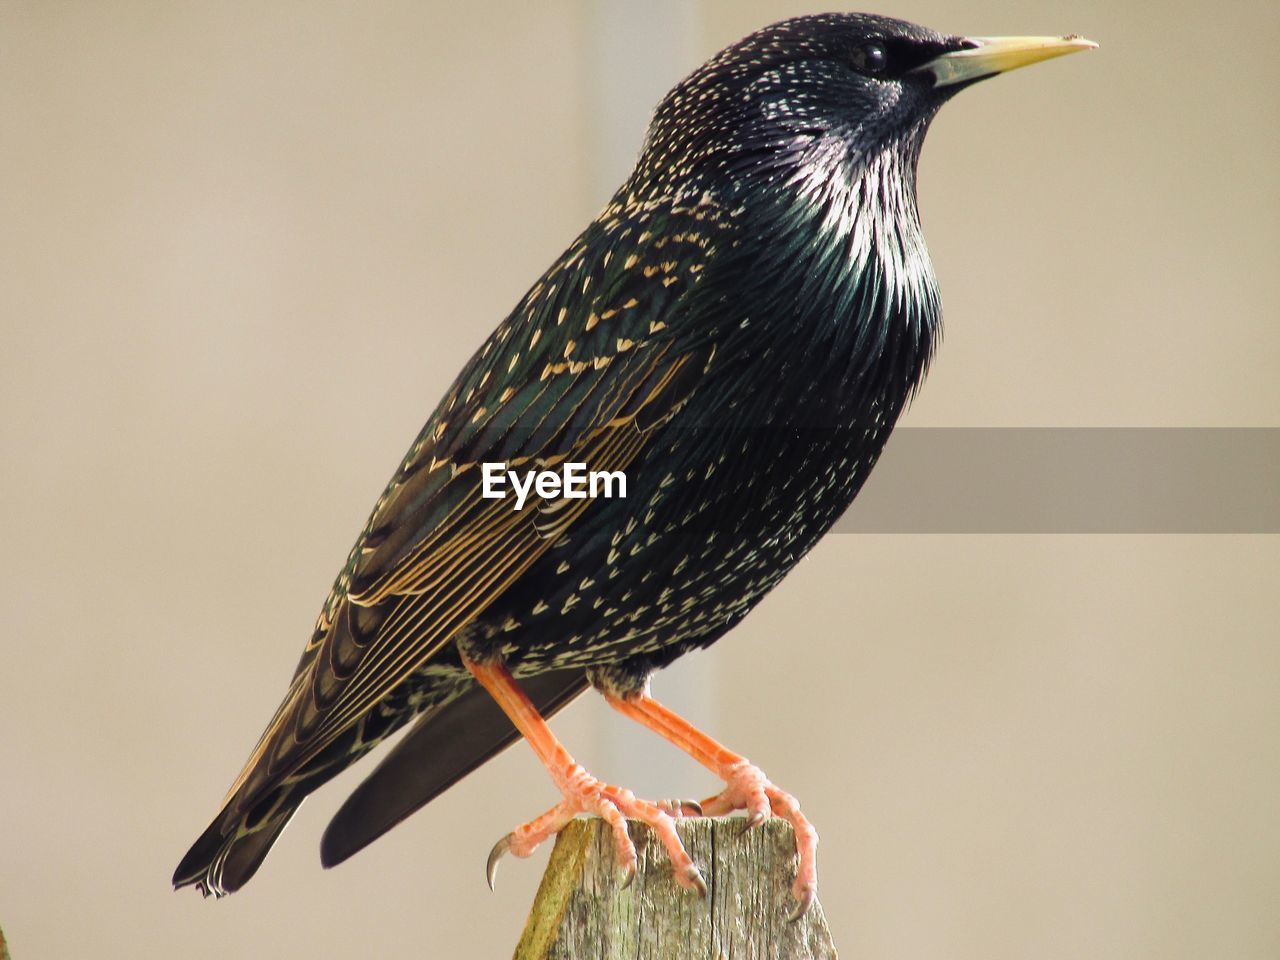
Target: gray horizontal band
{"points": [[1072, 480]]}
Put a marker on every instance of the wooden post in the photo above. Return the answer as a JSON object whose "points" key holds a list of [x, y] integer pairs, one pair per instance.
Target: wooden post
{"points": [[580, 912]]}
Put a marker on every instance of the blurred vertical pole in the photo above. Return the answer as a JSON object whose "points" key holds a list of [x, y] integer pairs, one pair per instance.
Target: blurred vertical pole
{"points": [[635, 53]]}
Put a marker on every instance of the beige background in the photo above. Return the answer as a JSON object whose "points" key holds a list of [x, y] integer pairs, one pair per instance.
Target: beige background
{"points": [[245, 246]]}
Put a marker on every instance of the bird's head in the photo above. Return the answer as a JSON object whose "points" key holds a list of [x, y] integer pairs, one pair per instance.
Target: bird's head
{"points": [[849, 83]]}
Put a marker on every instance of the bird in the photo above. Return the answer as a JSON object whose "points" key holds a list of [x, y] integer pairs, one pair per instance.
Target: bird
{"points": [[736, 335]]}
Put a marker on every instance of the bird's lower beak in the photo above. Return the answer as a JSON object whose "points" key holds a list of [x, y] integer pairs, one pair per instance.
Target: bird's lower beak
{"points": [[992, 55]]}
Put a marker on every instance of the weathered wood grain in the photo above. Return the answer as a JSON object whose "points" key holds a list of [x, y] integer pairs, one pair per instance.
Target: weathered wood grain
{"points": [[580, 911]]}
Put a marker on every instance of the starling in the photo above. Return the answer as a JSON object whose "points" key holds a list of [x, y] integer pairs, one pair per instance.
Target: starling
{"points": [[734, 336]]}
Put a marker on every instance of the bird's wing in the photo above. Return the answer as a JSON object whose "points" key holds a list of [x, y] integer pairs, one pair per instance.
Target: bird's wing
{"points": [[583, 369]]}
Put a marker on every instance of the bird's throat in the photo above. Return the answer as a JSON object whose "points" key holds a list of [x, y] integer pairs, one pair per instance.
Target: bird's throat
{"points": [[864, 266]]}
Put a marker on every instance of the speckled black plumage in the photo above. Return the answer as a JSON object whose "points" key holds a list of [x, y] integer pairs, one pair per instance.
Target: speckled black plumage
{"points": [[738, 330]]}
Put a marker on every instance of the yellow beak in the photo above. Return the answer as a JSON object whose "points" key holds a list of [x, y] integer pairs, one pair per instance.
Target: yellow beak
{"points": [[993, 55]]}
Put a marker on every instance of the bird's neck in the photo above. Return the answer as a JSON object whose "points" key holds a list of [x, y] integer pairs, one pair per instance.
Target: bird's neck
{"points": [[863, 212], [852, 271]]}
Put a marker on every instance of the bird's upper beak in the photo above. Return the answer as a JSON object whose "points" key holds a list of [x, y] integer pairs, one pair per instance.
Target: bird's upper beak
{"points": [[992, 55]]}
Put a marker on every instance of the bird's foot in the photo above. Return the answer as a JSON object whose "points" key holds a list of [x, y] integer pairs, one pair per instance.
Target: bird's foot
{"points": [[583, 793], [748, 789]]}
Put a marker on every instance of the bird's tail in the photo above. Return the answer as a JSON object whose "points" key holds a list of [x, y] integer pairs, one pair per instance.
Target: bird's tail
{"points": [[261, 804], [228, 854]]}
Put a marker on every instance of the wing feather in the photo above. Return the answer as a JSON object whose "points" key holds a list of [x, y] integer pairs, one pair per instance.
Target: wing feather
{"points": [[565, 377]]}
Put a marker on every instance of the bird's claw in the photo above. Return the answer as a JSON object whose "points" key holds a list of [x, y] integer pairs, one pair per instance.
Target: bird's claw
{"points": [[747, 789], [804, 899], [628, 876], [680, 808], [500, 849], [693, 878], [632, 822]]}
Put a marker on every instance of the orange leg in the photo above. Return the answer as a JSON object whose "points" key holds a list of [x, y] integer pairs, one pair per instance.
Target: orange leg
{"points": [[582, 792], [746, 787]]}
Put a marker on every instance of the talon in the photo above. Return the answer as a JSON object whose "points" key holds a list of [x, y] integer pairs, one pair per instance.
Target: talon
{"points": [[802, 906], [694, 876], [500, 849], [745, 788], [680, 808], [628, 877]]}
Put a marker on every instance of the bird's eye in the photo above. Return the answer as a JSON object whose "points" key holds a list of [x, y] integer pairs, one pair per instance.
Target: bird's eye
{"points": [[871, 58]]}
